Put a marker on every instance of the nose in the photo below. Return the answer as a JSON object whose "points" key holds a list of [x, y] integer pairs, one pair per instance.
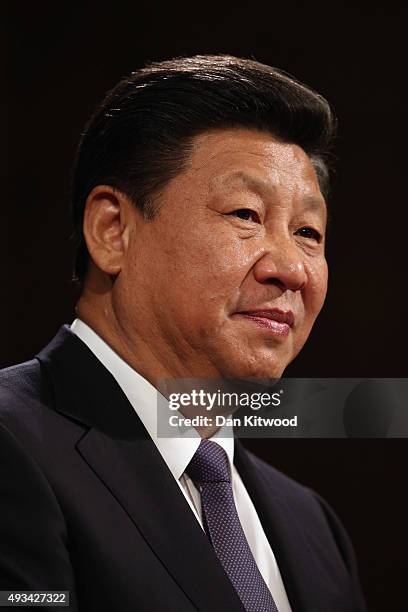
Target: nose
{"points": [[282, 265]]}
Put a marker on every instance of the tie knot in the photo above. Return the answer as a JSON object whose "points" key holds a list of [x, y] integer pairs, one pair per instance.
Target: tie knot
{"points": [[209, 464]]}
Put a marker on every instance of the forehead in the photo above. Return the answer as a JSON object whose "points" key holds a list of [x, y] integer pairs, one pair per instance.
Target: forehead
{"points": [[234, 159]]}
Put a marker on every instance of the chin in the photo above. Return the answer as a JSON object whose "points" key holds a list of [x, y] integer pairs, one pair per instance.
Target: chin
{"points": [[254, 368]]}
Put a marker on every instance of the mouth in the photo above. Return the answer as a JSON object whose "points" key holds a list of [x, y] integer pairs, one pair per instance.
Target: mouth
{"points": [[277, 322]]}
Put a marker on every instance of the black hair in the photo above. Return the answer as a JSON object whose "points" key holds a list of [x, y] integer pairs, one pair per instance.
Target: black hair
{"points": [[140, 137]]}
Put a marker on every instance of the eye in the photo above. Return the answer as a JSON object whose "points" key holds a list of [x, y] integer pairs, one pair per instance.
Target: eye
{"points": [[310, 233], [246, 214]]}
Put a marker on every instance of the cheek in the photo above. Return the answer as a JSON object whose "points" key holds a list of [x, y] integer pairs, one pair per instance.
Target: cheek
{"points": [[317, 287], [209, 265]]}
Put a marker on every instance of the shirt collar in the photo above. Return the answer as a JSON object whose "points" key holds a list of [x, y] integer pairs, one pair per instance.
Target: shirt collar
{"points": [[177, 452]]}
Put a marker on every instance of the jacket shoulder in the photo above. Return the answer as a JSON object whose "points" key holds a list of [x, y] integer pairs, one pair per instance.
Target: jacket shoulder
{"points": [[25, 399], [23, 380]]}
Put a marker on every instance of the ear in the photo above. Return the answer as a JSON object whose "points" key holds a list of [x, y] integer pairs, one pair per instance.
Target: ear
{"points": [[106, 227]]}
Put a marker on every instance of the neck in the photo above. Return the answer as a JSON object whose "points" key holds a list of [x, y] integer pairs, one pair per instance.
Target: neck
{"points": [[143, 360], [143, 348]]}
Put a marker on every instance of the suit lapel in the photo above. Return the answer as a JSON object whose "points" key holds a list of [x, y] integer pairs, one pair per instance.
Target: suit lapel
{"points": [[120, 451], [302, 575]]}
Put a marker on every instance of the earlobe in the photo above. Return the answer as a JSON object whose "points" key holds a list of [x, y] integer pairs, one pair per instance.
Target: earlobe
{"points": [[105, 228]]}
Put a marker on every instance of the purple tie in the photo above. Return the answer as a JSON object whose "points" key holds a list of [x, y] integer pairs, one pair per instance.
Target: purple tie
{"points": [[209, 470]]}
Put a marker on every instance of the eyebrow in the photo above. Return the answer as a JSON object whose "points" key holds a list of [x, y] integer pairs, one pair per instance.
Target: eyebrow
{"points": [[261, 187]]}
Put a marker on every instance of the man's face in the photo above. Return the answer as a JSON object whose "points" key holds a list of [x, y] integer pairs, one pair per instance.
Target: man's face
{"points": [[230, 276]]}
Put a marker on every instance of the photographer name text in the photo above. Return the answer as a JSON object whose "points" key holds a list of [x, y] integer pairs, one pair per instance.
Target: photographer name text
{"points": [[220, 421]]}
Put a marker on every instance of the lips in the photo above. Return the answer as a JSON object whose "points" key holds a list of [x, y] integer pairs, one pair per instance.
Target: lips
{"points": [[274, 315], [275, 320]]}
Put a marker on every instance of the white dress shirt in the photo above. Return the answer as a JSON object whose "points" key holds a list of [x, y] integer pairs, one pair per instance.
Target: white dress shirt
{"points": [[177, 452]]}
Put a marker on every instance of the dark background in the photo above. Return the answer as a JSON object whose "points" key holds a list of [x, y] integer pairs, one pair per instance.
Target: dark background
{"points": [[62, 57]]}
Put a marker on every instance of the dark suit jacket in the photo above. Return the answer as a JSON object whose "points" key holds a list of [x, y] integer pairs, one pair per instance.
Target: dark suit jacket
{"points": [[88, 505]]}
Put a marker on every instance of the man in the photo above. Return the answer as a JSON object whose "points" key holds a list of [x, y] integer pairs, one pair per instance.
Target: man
{"points": [[199, 215]]}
